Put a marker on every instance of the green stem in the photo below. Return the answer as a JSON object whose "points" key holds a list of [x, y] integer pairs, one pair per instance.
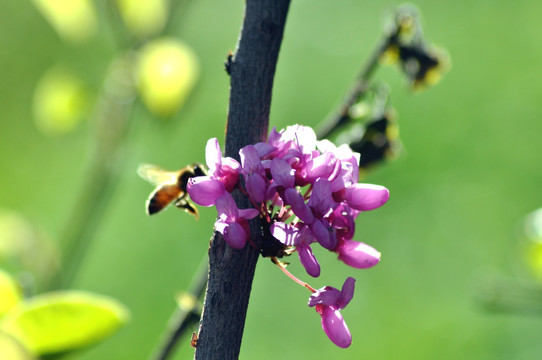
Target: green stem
{"points": [[511, 296], [183, 318], [340, 117], [111, 121]]}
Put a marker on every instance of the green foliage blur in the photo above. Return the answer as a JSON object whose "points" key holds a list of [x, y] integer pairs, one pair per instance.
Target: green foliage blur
{"points": [[469, 172]]}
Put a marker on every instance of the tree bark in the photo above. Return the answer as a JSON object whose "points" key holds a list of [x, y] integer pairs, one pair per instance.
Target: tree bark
{"points": [[231, 271]]}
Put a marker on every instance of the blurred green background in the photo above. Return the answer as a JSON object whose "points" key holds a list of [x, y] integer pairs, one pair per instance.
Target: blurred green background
{"points": [[469, 172]]}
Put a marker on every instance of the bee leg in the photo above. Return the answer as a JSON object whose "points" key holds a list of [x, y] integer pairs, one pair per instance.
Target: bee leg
{"points": [[187, 206]]}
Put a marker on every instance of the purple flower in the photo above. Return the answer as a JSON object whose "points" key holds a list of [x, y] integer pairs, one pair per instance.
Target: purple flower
{"points": [[224, 169], [303, 136], [320, 229], [325, 166], [204, 190], [301, 239], [296, 201], [328, 302], [348, 173], [223, 176], [321, 202], [232, 222], [282, 173], [308, 192], [254, 173], [363, 197], [342, 220], [357, 254]]}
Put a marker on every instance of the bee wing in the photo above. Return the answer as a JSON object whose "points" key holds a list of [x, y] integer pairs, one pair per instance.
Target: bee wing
{"points": [[156, 175]]}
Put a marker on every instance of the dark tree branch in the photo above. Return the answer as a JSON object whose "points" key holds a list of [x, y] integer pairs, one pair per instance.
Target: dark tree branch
{"points": [[360, 86], [231, 271]]}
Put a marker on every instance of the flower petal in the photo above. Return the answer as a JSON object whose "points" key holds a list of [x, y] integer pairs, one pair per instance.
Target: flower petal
{"points": [[323, 235], [221, 224], [248, 213], [263, 149], [347, 292], [213, 155], [255, 185], [235, 235], [325, 296], [321, 202], [226, 207], [282, 172], [366, 197], [293, 198], [250, 160], [357, 254], [204, 190], [303, 136], [308, 260], [320, 167], [285, 233], [335, 327]]}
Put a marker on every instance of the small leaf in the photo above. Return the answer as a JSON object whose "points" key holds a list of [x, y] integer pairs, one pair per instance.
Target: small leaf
{"points": [[10, 293], [74, 20], [11, 349], [25, 247], [530, 236], [64, 321]]}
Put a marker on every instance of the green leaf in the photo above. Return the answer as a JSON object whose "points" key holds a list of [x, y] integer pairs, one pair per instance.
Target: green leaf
{"points": [[63, 321], [11, 349], [10, 293]]}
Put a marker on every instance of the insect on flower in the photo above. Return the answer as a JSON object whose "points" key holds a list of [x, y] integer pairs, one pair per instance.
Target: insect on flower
{"points": [[170, 187]]}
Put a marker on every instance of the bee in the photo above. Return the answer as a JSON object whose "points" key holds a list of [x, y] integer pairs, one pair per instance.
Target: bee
{"points": [[379, 142], [194, 340], [170, 187]]}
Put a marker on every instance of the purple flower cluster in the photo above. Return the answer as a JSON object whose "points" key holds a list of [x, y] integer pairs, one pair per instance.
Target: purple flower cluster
{"points": [[308, 192]]}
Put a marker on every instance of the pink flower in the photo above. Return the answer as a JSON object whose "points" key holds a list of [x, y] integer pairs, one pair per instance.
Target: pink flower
{"points": [[308, 193], [232, 222], [222, 177], [224, 169], [254, 173], [357, 254], [363, 197], [301, 239], [204, 190], [328, 302]]}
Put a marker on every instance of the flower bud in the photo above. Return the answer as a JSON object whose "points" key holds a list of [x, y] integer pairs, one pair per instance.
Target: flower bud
{"points": [[357, 254]]}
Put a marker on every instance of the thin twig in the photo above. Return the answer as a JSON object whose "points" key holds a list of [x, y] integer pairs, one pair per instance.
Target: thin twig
{"points": [[111, 120], [183, 318], [361, 85]]}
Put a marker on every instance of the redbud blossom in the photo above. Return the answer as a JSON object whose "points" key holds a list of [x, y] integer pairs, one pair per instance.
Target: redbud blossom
{"points": [[328, 302], [232, 222], [305, 192], [357, 254]]}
